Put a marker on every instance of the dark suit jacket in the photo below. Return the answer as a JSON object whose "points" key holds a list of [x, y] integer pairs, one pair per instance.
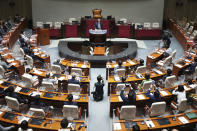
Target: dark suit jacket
{"points": [[96, 26], [152, 98], [125, 99], [99, 88], [70, 103], [37, 104], [73, 81], [14, 95]]}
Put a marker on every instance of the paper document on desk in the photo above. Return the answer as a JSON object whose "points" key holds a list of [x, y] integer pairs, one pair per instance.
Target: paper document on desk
{"points": [[73, 65], [157, 71], [1, 112], [120, 99], [180, 66], [22, 119], [117, 126], [141, 96], [186, 88], [61, 78], [76, 97], [108, 66], [187, 60], [116, 78], [193, 86], [150, 56], [13, 64], [35, 93], [37, 72], [116, 65], [150, 123], [10, 60], [131, 62], [17, 89], [183, 120], [164, 93], [83, 66]]}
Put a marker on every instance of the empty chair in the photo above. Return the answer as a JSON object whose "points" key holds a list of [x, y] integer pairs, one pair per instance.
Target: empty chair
{"points": [[78, 71], [30, 61], [173, 54], [2, 72], [71, 111], [190, 29], [91, 52], [57, 25], [147, 25], [181, 107], [12, 103], [71, 20], [48, 86], [119, 87], [74, 89], [146, 85], [137, 24], [193, 35], [186, 26], [169, 81], [141, 69], [97, 13], [127, 112], [106, 51], [165, 62], [155, 25], [120, 72], [39, 24], [29, 81], [157, 108], [22, 52], [124, 20], [56, 69], [38, 112], [50, 23]]}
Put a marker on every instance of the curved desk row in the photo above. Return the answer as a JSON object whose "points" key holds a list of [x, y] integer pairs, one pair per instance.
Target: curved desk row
{"points": [[64, 51], [37, 124]]}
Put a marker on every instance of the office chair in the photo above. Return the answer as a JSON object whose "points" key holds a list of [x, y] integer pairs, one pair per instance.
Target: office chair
{"points": [[170, 81], [71, 111], [119, 87], [74, 89], [126, 112], [181, 107], [156, 109]]}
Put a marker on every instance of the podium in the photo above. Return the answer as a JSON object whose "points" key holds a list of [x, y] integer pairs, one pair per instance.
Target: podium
{"points": [[44, 37], [98, 36]]}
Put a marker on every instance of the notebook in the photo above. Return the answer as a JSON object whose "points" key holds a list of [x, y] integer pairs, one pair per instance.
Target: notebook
{"points": [[191, 115], [24, 90], [36, 121], [129, 125], [49, 95], [163, 121], [9, 116]]}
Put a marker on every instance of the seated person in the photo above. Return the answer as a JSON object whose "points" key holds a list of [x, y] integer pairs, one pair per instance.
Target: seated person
{"points": [[130, 98], [10, 92], [70, 100], [24, 126], [154, 97], [169, 73], [73, 80], [98, 94], [64, 125], [136, 128], [98, 25], [57, 62], [167, 52], [37, 103], [192, 66], [22, 41], [48, 79], [5, 65], [119, 66], [180, 93], [147, 78], [141, 62]]}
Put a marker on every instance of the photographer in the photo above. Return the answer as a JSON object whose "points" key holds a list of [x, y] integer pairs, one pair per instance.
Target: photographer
{"points": [[98, 93]]}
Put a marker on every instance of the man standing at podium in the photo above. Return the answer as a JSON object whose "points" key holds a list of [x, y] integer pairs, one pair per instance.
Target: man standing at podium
{"points": [[98, 25]]}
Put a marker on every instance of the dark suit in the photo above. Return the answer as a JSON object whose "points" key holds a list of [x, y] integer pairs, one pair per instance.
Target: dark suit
{"points": [[152, 97], [14, 95], [70, 103], [37, 104], [98, 25], [126, 100], [73, 81]]}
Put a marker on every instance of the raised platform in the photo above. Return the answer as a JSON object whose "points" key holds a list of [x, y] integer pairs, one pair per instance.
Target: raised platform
{"points": [[97, 61]]}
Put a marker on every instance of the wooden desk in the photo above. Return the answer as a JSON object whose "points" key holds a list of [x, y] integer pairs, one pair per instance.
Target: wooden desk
{"points": [[173, 124], [48, 124], [154, 57], [41, 55], [129, 65], [132, 79], [179, 34], [44, 37], [99, 50]]}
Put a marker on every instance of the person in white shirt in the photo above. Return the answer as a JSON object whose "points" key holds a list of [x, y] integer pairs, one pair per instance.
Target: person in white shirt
{"points": [[180, 92]]}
